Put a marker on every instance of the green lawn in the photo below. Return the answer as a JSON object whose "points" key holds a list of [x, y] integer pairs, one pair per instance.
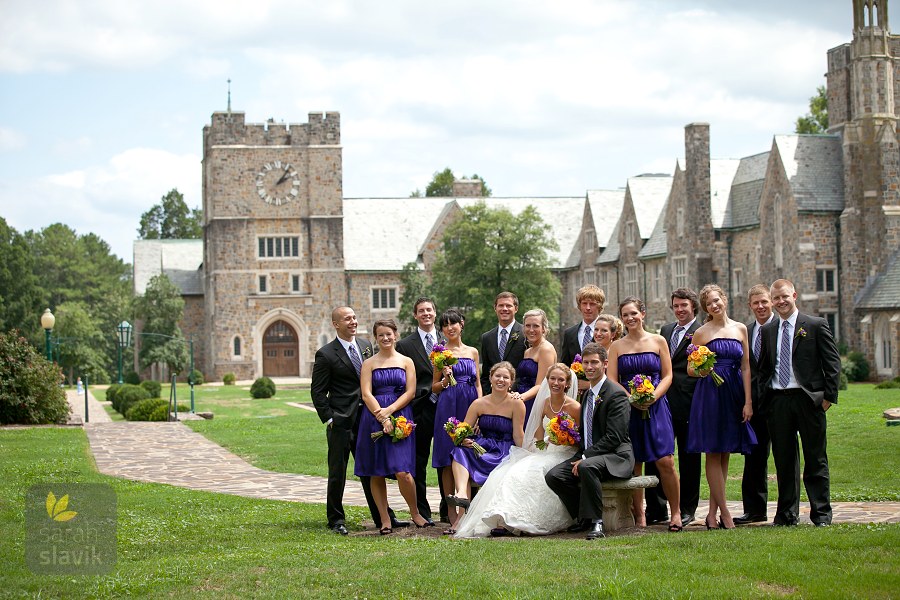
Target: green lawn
{"points": [[176, 543], [864, 454]]}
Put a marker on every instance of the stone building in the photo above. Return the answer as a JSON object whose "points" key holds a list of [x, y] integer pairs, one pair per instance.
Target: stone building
{"points": [[282, 246]]}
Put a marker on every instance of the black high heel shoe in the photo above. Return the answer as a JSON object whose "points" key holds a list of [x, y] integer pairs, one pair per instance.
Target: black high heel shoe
{"points": [[722, 524], [708, 526]]}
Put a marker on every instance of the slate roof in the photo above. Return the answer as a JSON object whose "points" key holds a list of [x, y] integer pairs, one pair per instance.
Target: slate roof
{"points": [[606, 206], [657, 244], [884, 292], [648, 195], [611, 253], [746, 192], [721, 179], [814, 168], [179, 260]]}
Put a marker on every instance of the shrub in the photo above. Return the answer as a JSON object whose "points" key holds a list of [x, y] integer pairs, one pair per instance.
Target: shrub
{"points": [[144, 410], [262, 388], [161, 413], [196, 377], [890, 384], [130, 395], [29, 384], [229, 379], [111, 392], [844, 382], [154, 388], [861, 371], [132, 378]]}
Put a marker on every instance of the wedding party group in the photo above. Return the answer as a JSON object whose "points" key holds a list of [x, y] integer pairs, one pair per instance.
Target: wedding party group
{"points": [[524, 435]]}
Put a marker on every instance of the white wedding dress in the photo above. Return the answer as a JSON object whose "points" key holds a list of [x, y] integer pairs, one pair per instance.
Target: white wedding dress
{"points": [[515, 495]]}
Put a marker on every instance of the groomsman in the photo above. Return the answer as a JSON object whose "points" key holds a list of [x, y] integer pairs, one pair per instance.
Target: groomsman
{"points": [[755, 483], [504, 342], [685, 305], [605, 451], [418, 346], [589, 300], [799, 375], [336, 396]]}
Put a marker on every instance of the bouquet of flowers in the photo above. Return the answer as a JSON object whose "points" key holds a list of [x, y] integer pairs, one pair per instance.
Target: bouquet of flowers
{"points": [[460, 430], [402, 429], [561, 431], [441, 357], [578, 368], [702, 358], [641, 388]]}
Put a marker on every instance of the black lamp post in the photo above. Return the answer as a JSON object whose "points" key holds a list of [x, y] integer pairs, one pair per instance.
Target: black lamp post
{"points": [[47, 322], [124, 334]]}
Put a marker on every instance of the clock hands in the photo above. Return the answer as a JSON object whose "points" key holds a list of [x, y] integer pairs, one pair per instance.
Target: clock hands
{"points": [[283, 177]]}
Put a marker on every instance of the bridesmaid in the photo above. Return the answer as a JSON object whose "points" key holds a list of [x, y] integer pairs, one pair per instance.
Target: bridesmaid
{"points": [[453, 401], [720, 415], [500, 419], [387, 382], [643, 353], [607, 329], [538, 358]]}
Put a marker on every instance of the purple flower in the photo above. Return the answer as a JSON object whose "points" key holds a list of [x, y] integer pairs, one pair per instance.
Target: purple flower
{"points": [[577, 358], [438, 348]]}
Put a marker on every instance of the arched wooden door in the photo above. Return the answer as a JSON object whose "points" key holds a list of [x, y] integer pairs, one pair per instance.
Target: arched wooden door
{"points": [[281, 351]]}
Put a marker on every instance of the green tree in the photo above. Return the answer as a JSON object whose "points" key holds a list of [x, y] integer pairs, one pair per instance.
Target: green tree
{"points": [[441, 185], [488, 250], [20, 296], [82, 342], [171, 219], [816, 120], [414, 287], [161, 308]]}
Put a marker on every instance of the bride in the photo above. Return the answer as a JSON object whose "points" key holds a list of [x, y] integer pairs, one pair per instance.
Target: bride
{"points": [[515, 498]]}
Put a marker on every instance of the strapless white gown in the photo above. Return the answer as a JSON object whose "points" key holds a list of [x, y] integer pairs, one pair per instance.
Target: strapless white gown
{"points": [[516, 497]]}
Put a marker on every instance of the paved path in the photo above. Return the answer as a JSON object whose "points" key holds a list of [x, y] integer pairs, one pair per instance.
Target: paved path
{"points": [[174, 454], [95, 411]]}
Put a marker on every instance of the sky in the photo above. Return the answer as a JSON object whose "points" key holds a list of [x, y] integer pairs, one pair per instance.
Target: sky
{"points": [[103, 102]]}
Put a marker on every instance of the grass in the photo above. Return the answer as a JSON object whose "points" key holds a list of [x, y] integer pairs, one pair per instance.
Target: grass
{"points": [[176, 543], [864, 454]]}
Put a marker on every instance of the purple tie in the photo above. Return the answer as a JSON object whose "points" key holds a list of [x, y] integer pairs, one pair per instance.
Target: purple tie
{"points": [[502, 348], [676, 339], [588, 418], [757, 343], [354, 358], [588, 336], [784, 355]]}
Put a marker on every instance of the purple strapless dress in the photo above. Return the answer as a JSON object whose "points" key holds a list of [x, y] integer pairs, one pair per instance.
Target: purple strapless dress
{"points": [[382, 457], [717, 411], [651, 438], [526, 375], [452, 402], [496, 438]]}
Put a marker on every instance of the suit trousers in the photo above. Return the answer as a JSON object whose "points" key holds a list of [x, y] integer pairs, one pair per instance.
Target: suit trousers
{"points": [[582, 495], [792, 412], [755, 483], [423, 417], [689, 464]]}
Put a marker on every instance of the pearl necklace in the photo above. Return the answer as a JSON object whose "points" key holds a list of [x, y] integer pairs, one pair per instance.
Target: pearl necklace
{"points": [[550, 402]]}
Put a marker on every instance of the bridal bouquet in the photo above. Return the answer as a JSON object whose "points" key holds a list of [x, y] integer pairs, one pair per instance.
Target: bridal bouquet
{"points": [[561, 431], [641, 388], [403, 428], [441, 357], [460, 430], [702, 358], [578, 368]]}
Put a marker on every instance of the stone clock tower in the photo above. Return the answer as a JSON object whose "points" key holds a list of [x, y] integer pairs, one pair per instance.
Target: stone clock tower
{"points": [[273, 257]]}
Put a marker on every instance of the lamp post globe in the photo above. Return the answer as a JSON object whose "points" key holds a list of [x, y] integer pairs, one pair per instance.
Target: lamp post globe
{"points": [[47, 322], [123, 332]]}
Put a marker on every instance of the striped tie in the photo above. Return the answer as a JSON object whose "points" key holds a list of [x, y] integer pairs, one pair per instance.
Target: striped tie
{"points": [[588, 418], [354, 358], [429, 346], [784, 355], [676, 339], [757, 343], [502, 348], [588, 336]]}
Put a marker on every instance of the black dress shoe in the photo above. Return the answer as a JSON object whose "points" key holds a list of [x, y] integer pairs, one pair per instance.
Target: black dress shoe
{"points": [[339, 528], [395, 524], [747, 518], [656, 519], [428, 523], [687, 519], [579, 526], [821, 524], [596, 531]]}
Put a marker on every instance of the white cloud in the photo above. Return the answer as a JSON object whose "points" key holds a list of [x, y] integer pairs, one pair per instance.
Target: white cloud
{"points": [[11, 139]]}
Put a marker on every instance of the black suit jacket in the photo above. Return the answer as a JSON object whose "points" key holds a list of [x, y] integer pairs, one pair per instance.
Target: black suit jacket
{"points": [[335, 384], [571, 345], [814, 359], [412, 347], [681, 392], [754, 366], [490, 353], [609, 429]]}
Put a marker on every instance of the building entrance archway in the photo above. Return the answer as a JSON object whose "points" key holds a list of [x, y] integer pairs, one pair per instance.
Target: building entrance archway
{"points": [[281, 351]]}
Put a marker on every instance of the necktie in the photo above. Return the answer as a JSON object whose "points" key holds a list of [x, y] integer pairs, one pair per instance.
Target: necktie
{"points": [[676, 339], [354, 358], [784, 355], [757, 343], [429, 343], [502, 348], [588, 418], [588, 336]]}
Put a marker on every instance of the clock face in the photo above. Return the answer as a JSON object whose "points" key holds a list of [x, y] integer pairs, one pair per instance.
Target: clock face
{"points": [[278, 183]]}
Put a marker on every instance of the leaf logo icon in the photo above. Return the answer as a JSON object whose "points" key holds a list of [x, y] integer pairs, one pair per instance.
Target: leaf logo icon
{"points": [[56, 509]]}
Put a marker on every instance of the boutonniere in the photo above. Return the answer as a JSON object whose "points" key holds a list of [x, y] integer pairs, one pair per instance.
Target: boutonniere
{"points": [[801, 333], [689, 336], [598, 400], [367, 352], [514, 336]]}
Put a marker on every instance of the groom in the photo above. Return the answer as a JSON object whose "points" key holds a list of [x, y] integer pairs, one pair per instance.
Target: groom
{"points": [[605, 451]]}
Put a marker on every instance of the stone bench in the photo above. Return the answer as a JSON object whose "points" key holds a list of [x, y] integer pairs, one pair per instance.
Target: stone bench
{"points": [[617, 495]]}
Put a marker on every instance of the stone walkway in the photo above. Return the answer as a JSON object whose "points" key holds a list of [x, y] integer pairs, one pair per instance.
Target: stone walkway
{"points": [[172, 453]]}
